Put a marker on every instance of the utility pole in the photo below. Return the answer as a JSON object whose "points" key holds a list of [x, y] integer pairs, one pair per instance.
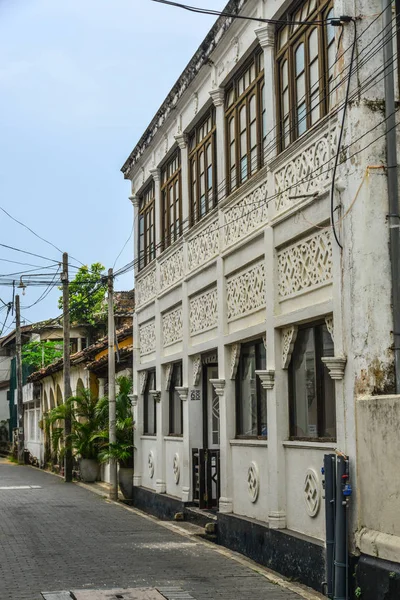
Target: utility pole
{"points": [[67, 369], [111, 385], [20, 403]]}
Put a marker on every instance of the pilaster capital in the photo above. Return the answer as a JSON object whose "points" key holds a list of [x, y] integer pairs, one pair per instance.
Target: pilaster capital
{"points": [[218, 96], [156, 395], [183, 392], [135, 200], [336, 366], [155, 173], [266, 35], [133, 398], [267, 378], [219, 386], [181, 140]]}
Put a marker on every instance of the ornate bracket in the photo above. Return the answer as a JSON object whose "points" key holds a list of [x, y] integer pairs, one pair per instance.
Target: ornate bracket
{"points": [[183, 392], [156, 394], [219, 386], [336, 366], [289, 335], [196, 369], [142, 381], [267, 379], [330, 326], [235, 355], [168, 375], [155, 173]]}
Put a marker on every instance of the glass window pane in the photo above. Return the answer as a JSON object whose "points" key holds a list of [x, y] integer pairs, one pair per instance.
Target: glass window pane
{"points": [[315, 112], [301, 88], [313, 45], [299, 54], [242, 118], [243, 169], [285, 79], [243, 144], [301, 119], [248, 392], [252, 108], [283, 36], [329, 409], [285, 103], [314, 75], [305, 421]]}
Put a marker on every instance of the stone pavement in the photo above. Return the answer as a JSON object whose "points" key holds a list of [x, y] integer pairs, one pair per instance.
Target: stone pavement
{"points": [[56, 536]]}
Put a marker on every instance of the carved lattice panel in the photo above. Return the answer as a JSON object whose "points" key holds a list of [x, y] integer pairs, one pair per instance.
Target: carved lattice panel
{"points": [[305, 265], [307, 173], [147, 338], [172, 269], [203, 246], [246, 216], [203, 312], [246, 291], [172, 326], [146, 288]]}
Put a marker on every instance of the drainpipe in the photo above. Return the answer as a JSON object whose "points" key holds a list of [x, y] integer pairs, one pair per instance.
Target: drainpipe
{"points": [[339, 587], [391, 152], [328, 471]]}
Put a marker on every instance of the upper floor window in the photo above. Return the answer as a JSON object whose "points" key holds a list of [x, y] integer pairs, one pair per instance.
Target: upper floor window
{"points": [[251, 397], [202, 170], [147, 240], [311, 389], [171, 191], [245, 121], [305, 61]]}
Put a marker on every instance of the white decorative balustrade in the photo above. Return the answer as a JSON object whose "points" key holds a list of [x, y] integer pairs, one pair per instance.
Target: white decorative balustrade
{"points": [[305, 265], [307, 171], [172, 326], [203, 311], [245, 291], [147, 338], [172, 268], [247, 215], [203, 245]]}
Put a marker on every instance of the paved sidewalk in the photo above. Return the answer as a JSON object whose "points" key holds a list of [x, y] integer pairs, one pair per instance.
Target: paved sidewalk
{"points": [[56, 536]]}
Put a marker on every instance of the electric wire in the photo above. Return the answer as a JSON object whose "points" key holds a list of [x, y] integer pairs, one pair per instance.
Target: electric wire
{"points": [[217, 13]]}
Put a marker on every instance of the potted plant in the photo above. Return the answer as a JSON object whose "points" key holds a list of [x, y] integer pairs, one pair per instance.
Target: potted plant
{"points": [[86, 422], [122, 449]]}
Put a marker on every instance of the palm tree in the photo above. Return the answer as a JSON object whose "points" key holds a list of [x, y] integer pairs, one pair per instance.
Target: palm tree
{"points": [[122, 449]]}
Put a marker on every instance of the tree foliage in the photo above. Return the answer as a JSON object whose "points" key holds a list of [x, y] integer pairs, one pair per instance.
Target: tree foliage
{"points": [[41, 353], [86, 295]]}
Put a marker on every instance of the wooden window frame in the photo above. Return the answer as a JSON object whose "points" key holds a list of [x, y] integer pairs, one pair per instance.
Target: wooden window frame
{"points": [[171, 403], [200, 145], [297, 35], [259, 392], [149, 400], [320, 376], [147, 217], [168, 184], [242, 99]]}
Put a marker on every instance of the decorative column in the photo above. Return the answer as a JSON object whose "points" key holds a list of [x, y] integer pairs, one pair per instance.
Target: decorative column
{"points": [[161, 485], [185, 472], [182, 143], [218, 96], [137, 442], [266, 37], [226, 434], [155, 173], [274, 380]]}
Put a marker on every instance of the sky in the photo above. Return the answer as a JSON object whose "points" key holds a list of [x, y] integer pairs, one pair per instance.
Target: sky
{"points": [[80, 80]]}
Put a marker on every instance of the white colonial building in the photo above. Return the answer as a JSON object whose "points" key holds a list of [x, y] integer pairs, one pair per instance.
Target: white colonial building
{"points": [[264, 343]]}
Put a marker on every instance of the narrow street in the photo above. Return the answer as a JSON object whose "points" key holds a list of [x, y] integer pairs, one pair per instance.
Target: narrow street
{"points": [[59, 537]]}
